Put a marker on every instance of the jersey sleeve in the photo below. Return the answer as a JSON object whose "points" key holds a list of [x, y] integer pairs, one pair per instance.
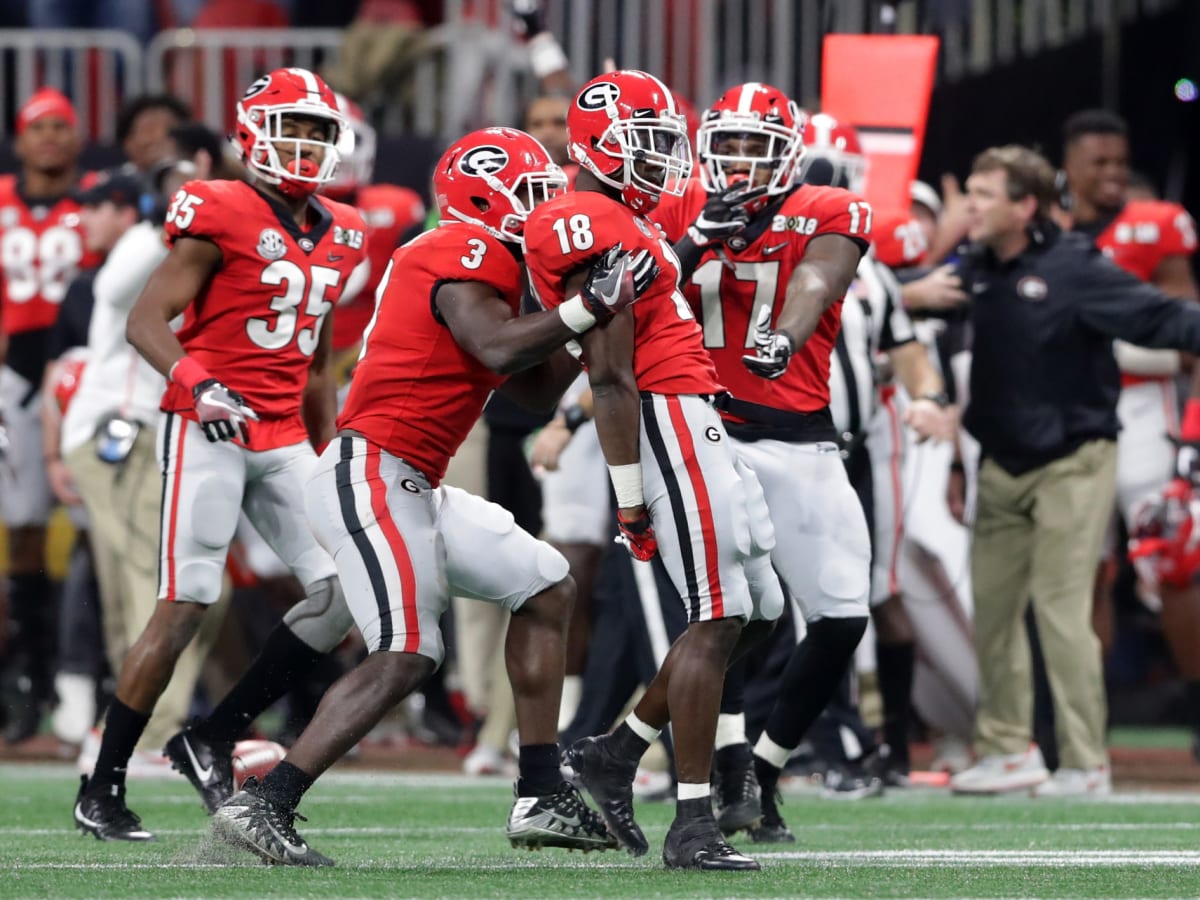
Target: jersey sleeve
{"points": [[897, 238], [841, 212], [1177, 231], [196, 211], [675, 214], [471, 254]]}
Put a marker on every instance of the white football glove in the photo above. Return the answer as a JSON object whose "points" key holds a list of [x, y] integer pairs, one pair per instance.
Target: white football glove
{"points": [[222, 412]]}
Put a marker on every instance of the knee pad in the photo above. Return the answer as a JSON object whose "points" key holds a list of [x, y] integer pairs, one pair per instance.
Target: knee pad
{"points": [[322, 618]]}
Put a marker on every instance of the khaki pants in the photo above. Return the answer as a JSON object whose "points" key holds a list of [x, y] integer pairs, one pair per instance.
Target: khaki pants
{"points": [[123, 512], [1038, 537]]}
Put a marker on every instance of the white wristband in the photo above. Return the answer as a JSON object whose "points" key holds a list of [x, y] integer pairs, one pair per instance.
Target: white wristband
{"points": [[575, 315], [545, 55], [627, 483]]}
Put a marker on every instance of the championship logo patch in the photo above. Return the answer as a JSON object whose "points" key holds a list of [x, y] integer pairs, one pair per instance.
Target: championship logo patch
{"points": [[351, 237], [270, 245], [485, 160], [1032, 288], [598, 96]]}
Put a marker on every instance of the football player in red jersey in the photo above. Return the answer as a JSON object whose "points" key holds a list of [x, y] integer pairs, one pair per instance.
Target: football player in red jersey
{"points": [[767, 277], [41, 250], [679, 490], [255, 270], [445, 334], [1155, 241], [389, 211]]}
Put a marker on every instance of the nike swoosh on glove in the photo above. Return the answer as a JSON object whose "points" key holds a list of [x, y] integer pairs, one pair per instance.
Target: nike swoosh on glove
{"points": [[724, 215], [638, 536], [222, 412], [616, 280], [772, 349]]}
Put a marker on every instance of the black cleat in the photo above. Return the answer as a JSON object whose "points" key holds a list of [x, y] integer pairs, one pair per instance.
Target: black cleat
{"points": [[208, 765], [772, 829], [698, 844], [106, 816], [851, 781], [561, 819], [251, 821], [609, 780], [736, 796]]}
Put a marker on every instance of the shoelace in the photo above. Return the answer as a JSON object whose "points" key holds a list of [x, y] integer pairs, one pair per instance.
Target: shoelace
{"points": [[771, 801], [123, 816], [568, 799]]}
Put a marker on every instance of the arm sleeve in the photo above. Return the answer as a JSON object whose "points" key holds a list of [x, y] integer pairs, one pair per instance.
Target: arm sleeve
{"points": [[1119, 305]]}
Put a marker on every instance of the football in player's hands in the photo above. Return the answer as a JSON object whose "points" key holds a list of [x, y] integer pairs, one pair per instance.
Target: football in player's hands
{"points": [[724, 214], [772, 349], [222, 412], [637, 534]]}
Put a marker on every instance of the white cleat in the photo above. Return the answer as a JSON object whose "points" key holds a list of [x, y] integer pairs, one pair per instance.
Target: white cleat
{"points": [[1002, 773], [1095, 782]]}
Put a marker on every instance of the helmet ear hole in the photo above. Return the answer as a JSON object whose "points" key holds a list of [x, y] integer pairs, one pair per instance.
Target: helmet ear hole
{"points": [[481, 204]]}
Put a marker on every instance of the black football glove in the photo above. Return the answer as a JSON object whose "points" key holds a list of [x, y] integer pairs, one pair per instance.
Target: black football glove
{"points": [[616, 280], [772, 349], [724, 215], [222, 412], [528, 17]]}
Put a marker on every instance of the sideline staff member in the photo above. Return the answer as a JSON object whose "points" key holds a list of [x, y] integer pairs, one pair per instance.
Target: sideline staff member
{"points": [[1043, 397]]}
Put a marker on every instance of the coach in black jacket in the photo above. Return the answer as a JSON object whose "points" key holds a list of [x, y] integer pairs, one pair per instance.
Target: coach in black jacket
{"points": [[1043, 397]]}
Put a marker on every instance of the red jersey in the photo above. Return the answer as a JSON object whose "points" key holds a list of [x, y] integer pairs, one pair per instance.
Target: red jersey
{"points": [[898, 239], [1144, 233], [568, 233], [415, 392], [255, 325], [389, 211], [41, 251], [729, 287]]}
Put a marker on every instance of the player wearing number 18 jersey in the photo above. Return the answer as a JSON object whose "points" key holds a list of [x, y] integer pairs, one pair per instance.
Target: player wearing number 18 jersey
{"points": [[255, 270], [768, 262], [679, 491]]}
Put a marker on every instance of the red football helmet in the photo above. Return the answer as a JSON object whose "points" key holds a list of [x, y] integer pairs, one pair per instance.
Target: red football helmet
{"points": [[494, 178], [355, 170], [832, 154], [625, 128], [762, 117], [1164, 542], [260, 114]]}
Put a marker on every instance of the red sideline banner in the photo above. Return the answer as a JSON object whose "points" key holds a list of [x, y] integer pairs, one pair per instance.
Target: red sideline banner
{"points": [[881, 85]]}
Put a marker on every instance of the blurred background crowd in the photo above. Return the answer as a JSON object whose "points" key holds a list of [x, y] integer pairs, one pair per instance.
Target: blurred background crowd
{"points": [[147, 93]]}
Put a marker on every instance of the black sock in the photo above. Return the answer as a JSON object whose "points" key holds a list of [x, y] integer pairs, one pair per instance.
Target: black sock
{"points": [[733, 758], [286, 784], [767, 775], [626, 744], [698, 808], [811, 676], [539, 770], [895, 667], [283, 662], [123, 728], [1193, 703], [733, 691]]}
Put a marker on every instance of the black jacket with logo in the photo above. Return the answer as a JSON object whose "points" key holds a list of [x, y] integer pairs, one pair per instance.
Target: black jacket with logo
{"points": [[1043, 376]]}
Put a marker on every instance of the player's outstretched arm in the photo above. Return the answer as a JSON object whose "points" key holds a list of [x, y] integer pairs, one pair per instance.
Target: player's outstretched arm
{"points": [[171, 287], [819, 281], [319, 402]]}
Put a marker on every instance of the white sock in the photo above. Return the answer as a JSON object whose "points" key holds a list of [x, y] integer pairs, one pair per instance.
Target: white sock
{"points": [[572, 690], [641, 729], [731, 729], [771, 751], [687, 791]]}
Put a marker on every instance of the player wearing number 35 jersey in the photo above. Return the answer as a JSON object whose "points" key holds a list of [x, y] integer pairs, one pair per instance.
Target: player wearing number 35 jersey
{"points": [[255, 270], [679, 490]]}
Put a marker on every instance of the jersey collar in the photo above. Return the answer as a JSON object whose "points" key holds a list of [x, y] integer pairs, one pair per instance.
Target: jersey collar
{"points": [[306, 240]]}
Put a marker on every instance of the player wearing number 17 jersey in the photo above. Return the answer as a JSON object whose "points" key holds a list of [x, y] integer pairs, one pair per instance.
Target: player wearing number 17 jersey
{"points": [[255, 270], [767, 275], [679, 491]]}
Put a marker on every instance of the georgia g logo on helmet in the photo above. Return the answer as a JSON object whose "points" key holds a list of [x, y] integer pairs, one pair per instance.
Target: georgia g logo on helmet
{"points": [[485, 160], [258, 87], [598, 96]]}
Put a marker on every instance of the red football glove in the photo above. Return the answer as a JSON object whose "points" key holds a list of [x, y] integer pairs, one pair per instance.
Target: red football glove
{"points": [[637, 535]]}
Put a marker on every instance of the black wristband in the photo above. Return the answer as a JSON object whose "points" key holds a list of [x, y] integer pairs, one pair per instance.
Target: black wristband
{"points": [[941, 398], [574, 416], [957, 466]]}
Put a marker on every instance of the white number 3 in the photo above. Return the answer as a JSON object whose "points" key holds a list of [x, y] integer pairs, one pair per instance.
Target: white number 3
{"points": [[475, 259]]}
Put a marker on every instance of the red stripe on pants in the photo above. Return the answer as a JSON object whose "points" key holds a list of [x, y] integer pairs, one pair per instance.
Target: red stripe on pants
{"points": [[708, 531], [174, 513], [408, 582]]}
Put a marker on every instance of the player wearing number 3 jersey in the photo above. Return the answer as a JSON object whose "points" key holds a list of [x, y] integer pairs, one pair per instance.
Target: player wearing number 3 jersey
{"points": [[255, 270], [679, 490]]}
